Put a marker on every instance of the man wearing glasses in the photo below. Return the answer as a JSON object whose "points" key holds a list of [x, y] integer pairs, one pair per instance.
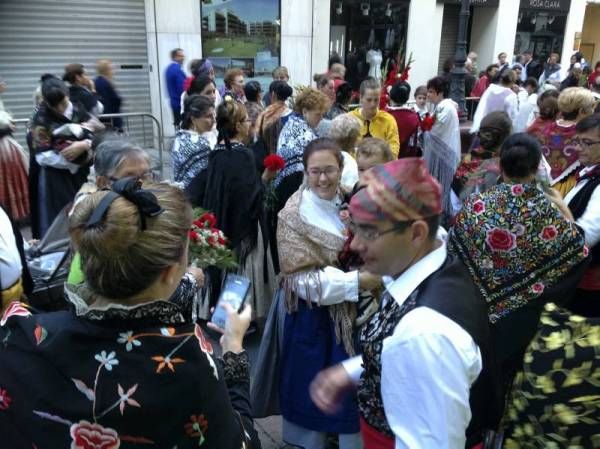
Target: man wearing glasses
{"points": [[584, 202], [425, 373]]}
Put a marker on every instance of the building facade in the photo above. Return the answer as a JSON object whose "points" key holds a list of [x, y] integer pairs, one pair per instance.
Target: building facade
{"points": [[138, 36]]}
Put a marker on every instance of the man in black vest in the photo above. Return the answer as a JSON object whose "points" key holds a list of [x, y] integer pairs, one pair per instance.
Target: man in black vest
{"points": [[584, 202], [425, 379]]}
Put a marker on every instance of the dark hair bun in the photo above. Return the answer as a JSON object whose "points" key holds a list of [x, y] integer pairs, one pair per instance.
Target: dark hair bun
{"points": [[281, 89]]}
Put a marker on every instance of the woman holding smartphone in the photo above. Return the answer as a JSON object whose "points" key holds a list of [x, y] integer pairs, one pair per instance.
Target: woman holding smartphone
{"points": [[125, 366]]}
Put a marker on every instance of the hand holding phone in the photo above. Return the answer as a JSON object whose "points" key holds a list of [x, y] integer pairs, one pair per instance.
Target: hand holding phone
{"points": [[235, 328], [235, 290]]}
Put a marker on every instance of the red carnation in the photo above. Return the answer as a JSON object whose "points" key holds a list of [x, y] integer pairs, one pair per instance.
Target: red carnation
{"points": [[274, 162], [427, 122], [193, 236], [208, 220]]}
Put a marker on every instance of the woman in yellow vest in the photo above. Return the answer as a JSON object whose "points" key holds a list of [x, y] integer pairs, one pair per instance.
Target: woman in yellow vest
{"points": [[374, 122]]}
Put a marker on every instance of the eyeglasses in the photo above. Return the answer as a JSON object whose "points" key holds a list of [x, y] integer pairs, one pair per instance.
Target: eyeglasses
{"points": [[371, 233], [584, 143], [146, 176], [328, 171]]}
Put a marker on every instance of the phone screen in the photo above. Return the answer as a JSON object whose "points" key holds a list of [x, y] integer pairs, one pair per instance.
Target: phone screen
{"points": [[234, 292]]}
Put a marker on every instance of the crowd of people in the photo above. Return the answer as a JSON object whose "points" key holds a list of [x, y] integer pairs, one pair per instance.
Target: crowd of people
{"points": [[411, 290]]}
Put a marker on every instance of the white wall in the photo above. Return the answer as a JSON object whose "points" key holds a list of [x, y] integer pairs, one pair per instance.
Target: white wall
{"points": [[483, 35], [506, 28], [423, 39], [296, 39], [574, 24], [305, 38], [321, 31], [168, 27]]}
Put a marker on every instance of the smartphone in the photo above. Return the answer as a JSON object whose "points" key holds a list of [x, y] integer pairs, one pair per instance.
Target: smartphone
{"points": [[235, 290]]}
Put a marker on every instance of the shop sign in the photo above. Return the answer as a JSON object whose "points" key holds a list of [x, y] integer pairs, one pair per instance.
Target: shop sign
{"points": [[546, 5], [473, 2]]}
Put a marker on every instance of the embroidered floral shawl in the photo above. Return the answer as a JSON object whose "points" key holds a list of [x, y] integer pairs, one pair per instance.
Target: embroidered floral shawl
{"points": [[117, 376], [303, 247], [558, 148], [516, 244]]}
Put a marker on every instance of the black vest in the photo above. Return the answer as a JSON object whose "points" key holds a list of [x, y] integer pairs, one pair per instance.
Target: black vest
{"points": [[579, 204], [450, 292]]}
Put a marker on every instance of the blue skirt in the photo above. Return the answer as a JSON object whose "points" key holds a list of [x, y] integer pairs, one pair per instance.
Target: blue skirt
{"points": [[309, 346]]}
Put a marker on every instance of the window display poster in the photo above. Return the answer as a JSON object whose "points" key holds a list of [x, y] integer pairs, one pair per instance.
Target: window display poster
{"points": [[241, 33]]}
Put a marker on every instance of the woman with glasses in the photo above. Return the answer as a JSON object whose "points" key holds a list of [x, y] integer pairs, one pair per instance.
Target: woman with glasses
{"points": [[309, 108], [190, 148], [320, 299], [373, 121], [116, 159], [233, 191]]}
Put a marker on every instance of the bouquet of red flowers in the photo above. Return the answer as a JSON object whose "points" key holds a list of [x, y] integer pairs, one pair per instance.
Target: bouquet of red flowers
{"points": [[427, 122], [208, 245]]}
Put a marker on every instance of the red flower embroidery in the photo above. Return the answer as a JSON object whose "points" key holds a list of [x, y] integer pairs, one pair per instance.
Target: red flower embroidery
{"points": [[549, 233], [15, 308], [501, 240], [197, 426], [517, 190], [478, 207], [274, 162], [538, 288], [86, 435], [5, 399]]}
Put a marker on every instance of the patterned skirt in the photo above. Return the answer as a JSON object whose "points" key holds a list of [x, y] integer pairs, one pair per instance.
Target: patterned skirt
{"points": [[14, 193]]}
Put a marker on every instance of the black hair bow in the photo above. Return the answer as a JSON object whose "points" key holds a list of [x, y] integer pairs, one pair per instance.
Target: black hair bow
{"points": [[131, 189]]}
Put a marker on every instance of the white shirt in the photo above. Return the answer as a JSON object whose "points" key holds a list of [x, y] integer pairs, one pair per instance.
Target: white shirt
{"points": [[527, 105], [447, 127], [428, 364], [349, 172], [495, 98], [10, 259], [590, 220], [336, 286]]}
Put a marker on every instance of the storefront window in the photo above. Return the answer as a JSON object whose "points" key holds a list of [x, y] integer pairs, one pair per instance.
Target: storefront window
{"points": [[367, 35], [540, 29], [243, 34]]}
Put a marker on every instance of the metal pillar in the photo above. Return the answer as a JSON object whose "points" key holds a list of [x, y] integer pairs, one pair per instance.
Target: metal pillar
{"points": [[457, 76]]}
